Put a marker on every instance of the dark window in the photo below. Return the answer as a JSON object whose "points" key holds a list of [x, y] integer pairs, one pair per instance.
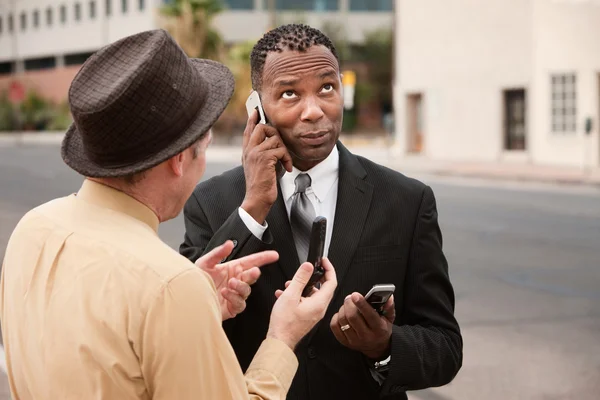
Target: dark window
{"points": [[36, 19], [108, 7], [6, 68], [141, 5], [1, 24], [92, 9], [77, 12], [11, 24], [240, 4], [514, 119], [76, 59], [49, 16], [308, 5], [371, 5], [124, 6], [63, 14], [40, 63], [23, 21], [564, 103]]}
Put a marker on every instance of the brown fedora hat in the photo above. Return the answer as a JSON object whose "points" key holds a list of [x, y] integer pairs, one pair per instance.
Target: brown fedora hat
{"points": [[140, 101]]}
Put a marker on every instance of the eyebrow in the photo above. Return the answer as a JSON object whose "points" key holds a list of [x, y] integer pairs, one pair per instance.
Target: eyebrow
{"points": [[287, 82], [293, 81]]}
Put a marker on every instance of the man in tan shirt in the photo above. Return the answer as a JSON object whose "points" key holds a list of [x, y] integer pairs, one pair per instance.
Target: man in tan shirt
{"points": [[92, 303]]}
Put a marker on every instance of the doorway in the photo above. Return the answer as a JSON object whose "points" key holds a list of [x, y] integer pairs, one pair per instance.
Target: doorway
{"points": [[515, 127], [414, 122]]}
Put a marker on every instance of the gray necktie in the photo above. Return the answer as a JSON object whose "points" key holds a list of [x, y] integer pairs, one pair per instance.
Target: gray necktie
{"points": [[301, 216]]}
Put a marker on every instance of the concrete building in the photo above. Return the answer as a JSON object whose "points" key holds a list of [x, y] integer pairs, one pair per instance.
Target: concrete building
{"points": [[43, 42], [499, 80]]}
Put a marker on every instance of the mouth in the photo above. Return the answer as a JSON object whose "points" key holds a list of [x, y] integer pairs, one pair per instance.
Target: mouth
{"points": [[314, 138]]}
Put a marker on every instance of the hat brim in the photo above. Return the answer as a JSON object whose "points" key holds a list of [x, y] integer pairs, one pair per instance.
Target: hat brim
{"points": [[220, 89]]}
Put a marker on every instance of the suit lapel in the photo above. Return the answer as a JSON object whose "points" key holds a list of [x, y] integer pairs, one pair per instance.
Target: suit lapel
{"points": [[283, 240], [352, 208]]}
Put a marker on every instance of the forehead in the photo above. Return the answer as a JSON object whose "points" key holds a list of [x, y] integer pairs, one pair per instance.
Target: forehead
{"points": [[289, 63]]}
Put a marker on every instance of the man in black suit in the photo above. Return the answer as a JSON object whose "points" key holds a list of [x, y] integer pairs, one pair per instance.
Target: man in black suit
{"points": [[382, 228]]}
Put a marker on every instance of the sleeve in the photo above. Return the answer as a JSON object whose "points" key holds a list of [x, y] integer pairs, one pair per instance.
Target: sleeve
{"points": [[253, 226], [186, 355], [426, 343], [200, 237]]}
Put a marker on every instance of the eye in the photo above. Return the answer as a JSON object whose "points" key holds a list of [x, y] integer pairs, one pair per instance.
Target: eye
{"points": [[288, 94], [328, 87]]}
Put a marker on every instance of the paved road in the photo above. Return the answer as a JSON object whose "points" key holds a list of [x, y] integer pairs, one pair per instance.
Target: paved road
{"points": [[525, 262]]}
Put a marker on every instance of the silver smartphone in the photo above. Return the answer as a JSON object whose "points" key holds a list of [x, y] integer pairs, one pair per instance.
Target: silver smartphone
{"points": [[379, 295], [253, 103]]}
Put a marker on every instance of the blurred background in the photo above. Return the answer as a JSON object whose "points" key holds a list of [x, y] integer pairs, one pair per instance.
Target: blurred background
{"points": [[494, 103]]}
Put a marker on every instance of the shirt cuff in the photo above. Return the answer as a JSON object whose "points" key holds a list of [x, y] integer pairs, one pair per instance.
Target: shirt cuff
{"points": [[257, 229], [276, 358]]}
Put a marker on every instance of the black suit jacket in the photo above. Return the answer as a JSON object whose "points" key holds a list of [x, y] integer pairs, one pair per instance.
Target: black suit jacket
{"points": [[385, 231]]}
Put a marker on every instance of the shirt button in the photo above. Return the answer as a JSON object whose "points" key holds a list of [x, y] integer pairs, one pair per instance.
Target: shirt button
{"points": [[312, 354]]}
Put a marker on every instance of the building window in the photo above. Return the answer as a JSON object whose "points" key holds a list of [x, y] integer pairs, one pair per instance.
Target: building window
{"points": [[63, 14], [371, 5], [77, 12], [240, 4], [77, 58], [1, 25], [108, 8], [11, 24], [49, 16], [124, 6], [564, 103], [36, 19], [40, 63], [23, 21], [141, 5], [6, 68], [92, 9], [308, 5]]}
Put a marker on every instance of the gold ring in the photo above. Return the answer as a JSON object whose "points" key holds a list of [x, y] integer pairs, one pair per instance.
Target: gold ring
{"points": [[345, 327]]}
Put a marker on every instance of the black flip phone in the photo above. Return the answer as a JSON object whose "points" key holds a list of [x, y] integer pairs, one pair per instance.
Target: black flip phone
{"points": [[315, 252]]}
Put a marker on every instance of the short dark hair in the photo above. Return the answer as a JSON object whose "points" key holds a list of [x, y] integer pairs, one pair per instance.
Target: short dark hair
{"points": [[295, 37]]}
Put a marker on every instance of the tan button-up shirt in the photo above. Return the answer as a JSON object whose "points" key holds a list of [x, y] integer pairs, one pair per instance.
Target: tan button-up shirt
{"points": [[94, 305]]}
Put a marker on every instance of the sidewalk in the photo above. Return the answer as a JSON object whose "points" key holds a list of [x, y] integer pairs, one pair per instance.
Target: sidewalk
{"points": [[378, 150]]}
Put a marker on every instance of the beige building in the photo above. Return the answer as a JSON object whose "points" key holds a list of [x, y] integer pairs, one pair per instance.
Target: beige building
{"points": [[43, 42], [499, 80]]}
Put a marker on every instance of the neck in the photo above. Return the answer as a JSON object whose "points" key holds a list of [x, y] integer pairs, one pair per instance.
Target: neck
{"points": [[137, 191]]}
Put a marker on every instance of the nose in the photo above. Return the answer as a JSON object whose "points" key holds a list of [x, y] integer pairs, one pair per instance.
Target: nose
{"points": [[312, 111]]}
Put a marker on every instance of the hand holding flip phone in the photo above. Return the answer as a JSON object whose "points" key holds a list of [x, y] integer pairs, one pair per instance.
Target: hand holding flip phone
{"points": [[379, 295], [315, 252]]}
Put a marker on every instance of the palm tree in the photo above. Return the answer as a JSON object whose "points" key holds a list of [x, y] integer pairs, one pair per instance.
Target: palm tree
{"points": [[190, 24]]}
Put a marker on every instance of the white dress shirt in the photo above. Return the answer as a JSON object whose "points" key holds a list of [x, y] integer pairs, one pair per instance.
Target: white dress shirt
{"points": [[322, 193]]}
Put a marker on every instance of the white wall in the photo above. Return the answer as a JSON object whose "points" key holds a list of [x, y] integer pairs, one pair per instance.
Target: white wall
{"points": [[567, 40], [460, 55]]}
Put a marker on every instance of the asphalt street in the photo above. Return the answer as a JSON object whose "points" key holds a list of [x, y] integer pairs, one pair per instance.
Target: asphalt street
{"points": [[524, 260]]}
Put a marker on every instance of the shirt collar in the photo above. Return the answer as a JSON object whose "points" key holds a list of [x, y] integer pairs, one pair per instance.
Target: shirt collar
{"points": [[107, 197], [323, 176]]}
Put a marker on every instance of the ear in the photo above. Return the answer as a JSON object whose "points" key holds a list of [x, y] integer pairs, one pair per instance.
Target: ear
{"points": [[176, 164]]}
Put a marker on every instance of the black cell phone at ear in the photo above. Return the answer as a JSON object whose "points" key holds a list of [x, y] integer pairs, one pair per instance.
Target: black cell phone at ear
{"points": [[315, 252]]}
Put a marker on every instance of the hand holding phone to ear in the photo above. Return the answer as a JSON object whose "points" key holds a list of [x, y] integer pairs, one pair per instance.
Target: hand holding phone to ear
{"points": [[262, 151]]}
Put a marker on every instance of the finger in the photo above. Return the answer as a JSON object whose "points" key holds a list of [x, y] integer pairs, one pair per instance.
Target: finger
{"points": [[235, 303], [270, 143], [256, 260], [287, 284], [241, 288], [278, 293], [250, 125], [355, 318], [258, 135], [389, 310], [371, 317], [327, 289], [337, 332], [250, 276], [215, 256], [348, 333], [301, 278]]}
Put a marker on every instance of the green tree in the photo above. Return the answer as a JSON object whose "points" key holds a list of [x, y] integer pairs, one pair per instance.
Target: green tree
{"points": [[190, 24]]}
